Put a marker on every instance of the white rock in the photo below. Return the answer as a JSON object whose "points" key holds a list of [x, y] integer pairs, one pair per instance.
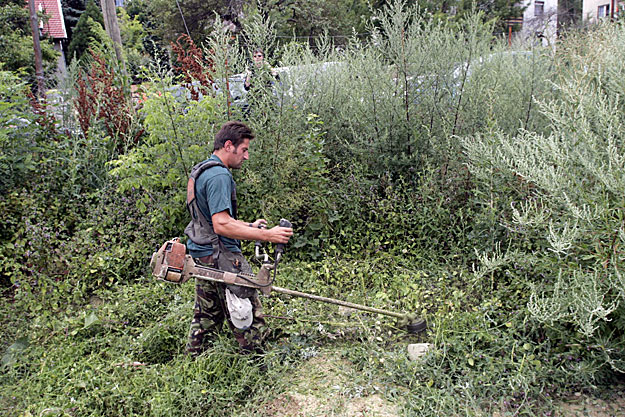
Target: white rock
{"points": [[416, 350]]}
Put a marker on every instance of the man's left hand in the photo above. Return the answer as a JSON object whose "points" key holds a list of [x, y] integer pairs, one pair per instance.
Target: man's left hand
{"points": [[260, 223]]}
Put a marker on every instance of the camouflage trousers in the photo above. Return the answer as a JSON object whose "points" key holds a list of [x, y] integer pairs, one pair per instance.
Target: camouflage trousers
{"points": [[211, 310]]}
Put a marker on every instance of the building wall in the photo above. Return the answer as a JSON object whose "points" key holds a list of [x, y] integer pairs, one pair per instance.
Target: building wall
{"points": [[540, 20], [592, 10]]}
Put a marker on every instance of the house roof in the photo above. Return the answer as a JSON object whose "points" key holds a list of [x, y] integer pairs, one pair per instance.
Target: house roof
{"points": [[55, 26]]}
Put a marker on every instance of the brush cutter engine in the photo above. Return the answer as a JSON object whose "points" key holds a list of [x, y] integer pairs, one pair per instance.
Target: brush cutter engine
{"points": [[168, 263]]}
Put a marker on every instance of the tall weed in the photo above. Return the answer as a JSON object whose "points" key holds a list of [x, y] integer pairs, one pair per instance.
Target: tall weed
{"points": [[569, 217]]}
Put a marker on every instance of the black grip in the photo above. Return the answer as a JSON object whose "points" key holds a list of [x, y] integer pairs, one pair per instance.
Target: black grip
{"points": [[280, 247]]}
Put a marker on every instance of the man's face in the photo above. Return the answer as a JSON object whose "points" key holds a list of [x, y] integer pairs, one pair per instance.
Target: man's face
{"points": [[258, 58], [238, 154]]}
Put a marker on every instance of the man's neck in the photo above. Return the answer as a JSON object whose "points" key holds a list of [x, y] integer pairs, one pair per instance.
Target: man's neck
{"points": [[223, 157]]}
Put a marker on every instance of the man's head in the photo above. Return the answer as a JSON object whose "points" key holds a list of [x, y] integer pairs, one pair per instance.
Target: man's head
{"points": [[232, 143], [258, 56]]}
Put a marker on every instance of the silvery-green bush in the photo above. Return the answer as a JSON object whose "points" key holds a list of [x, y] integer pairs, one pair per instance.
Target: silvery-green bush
{"points": [[564, 189]]}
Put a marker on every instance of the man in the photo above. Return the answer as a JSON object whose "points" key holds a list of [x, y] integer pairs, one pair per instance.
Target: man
{"points": [[258, 57], [214, 240]]}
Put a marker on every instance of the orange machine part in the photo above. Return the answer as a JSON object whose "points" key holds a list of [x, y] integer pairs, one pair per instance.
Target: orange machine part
{"points": [[174, 254]]}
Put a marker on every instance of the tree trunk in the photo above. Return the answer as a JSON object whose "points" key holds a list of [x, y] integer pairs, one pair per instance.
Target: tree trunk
{"points": [[112, 29], [37, 47]]}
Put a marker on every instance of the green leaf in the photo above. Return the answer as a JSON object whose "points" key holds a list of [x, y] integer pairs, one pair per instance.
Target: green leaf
{"points": [[299, 243], [91, 319], [10, 357]]}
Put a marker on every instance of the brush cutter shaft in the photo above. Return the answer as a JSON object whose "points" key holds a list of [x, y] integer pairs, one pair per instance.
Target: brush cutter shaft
{"points": [[208, 274], [337, 302]]}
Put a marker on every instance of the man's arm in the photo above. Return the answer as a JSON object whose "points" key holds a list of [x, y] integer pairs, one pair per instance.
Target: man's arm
{"points": [[248, 80], [225, 225]]}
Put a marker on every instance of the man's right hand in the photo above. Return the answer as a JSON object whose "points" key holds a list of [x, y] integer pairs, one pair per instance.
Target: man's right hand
{"points": [[278, 234]]}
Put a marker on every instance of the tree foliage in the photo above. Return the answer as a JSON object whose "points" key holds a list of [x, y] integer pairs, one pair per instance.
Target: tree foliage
{"points": [[72, 10], [86, 33], [134, 37], [168, 22], [311, 19], [16, 41]]}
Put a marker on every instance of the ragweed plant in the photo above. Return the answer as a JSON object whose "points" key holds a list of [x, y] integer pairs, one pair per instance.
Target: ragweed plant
{"points": [[573, 204]]}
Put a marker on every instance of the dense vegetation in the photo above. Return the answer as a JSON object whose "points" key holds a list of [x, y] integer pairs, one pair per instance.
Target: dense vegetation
{"points": [[432, 170]]}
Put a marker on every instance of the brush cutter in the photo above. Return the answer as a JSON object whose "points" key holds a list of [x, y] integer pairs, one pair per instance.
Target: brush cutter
{"points": [[171, 263]]}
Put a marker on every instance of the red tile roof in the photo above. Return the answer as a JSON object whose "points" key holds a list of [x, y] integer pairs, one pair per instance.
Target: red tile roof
{"points": [[55, 26]]}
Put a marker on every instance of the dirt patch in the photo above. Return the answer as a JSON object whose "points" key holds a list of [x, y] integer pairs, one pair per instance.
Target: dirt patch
{"points": [[373, 405], [284, 405], [579, 405], [329, 386]]}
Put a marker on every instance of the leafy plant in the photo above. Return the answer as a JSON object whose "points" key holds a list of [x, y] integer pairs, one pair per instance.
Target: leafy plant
{"points": [[574, 192], [178, 134]]}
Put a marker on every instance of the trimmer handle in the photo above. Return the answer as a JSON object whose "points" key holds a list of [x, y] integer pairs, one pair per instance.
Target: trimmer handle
{"points": [[280, 247]]}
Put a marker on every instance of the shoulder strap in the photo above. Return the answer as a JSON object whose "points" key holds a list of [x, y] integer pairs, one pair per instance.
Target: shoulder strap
{"points": [[199, 228], [196, 171]]}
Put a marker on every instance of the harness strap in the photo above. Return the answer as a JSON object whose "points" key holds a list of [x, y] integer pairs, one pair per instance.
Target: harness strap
{"points": [[199, 229]]}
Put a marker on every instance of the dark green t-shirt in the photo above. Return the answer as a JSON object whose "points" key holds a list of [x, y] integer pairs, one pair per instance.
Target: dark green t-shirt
{"points": [[213, 189]]}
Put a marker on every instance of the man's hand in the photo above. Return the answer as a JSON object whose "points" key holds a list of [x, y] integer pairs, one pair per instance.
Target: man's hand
{"points": [[260, 224], [248, 78], [279, 234], [224, 225]]}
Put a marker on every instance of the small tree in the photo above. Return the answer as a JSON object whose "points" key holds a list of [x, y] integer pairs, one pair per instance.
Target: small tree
{"points": [[16, 42], [84, 33]]}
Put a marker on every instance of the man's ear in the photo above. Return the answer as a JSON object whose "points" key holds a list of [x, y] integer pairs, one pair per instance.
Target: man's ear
{"points": [[227, 143]]}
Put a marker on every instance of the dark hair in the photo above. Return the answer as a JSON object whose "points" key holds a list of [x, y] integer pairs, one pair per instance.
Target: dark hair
{"points": [[233, 131]]}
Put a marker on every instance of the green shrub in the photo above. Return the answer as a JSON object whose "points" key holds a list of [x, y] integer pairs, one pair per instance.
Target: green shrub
{"points": [[568, 220], [179, 134], [18, 142]]}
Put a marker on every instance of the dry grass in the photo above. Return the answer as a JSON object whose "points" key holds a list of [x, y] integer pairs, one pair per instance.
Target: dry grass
{"points": [[324, 386]]}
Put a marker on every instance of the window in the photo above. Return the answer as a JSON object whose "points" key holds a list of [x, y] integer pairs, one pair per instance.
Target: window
{"points": [[539, 8], [603, 10]]}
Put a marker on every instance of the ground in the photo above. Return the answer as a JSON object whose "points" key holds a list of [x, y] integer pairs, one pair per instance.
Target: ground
{"points": [[579, 405], [327, 385]]}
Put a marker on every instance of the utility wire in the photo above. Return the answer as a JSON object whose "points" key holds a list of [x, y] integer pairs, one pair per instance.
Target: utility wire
{"points": [[183, 21], [321, 36]]}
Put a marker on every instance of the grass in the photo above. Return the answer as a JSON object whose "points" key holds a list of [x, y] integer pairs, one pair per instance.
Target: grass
{"points": [[122, 352]]}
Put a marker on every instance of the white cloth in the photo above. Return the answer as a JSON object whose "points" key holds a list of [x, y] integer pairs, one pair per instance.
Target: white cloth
{"points": [[240, 310]]}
